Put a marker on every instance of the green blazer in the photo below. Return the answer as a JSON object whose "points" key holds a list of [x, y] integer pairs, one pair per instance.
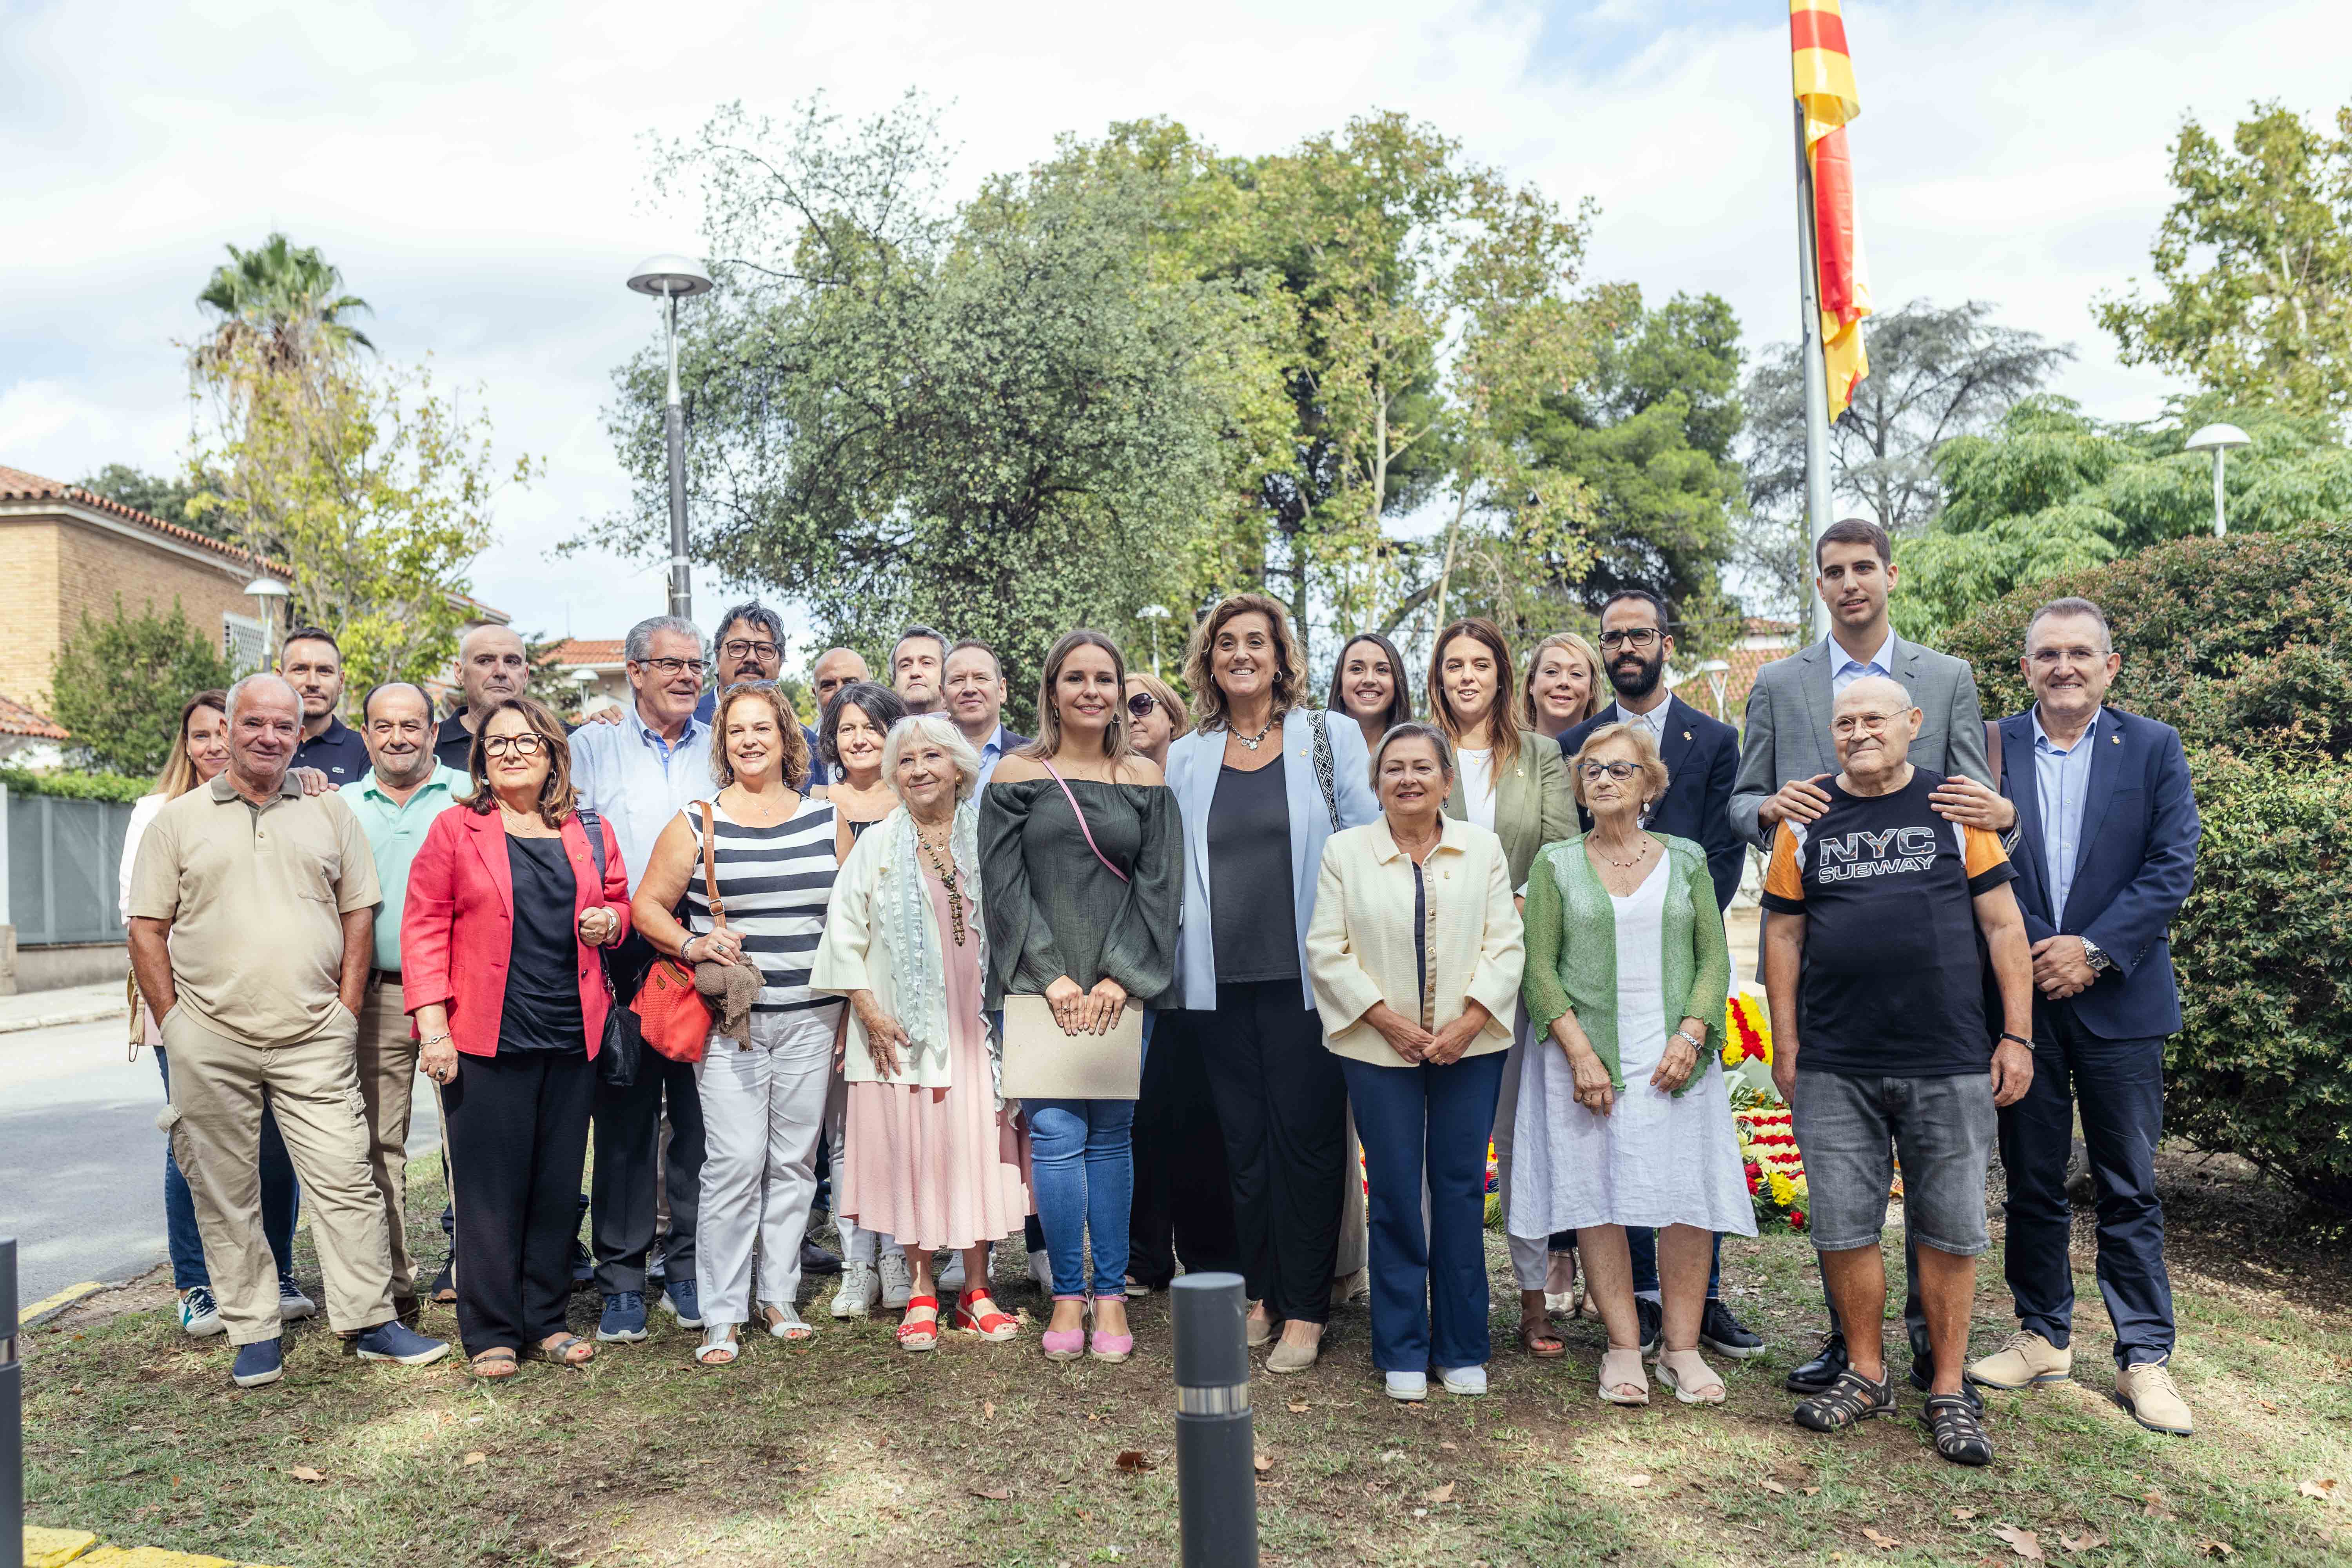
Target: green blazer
{"points": [[1533, 804], [1571, 940]]}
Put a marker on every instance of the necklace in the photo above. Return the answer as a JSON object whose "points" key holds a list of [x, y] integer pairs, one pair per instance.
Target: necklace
{"points": [[943, 868], [1252, 742], [1639, 855]]}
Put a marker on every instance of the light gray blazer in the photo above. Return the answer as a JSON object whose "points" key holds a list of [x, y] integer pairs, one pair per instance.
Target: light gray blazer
{"points": [[1788, 734], [1193, 763]]}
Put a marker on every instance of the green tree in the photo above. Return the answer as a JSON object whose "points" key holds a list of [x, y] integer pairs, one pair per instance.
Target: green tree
{"points": [[277, 305], [1649, 434], [1936, 373], [2254, 265], [118, 685], [2052, 491], [156, 495]]}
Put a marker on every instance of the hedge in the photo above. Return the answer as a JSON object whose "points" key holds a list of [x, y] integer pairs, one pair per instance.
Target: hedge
{"points": [[117, 787], [2244, 645]]}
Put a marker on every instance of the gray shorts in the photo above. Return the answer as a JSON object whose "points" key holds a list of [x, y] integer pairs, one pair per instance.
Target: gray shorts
{"points": [[1850, 1129]]}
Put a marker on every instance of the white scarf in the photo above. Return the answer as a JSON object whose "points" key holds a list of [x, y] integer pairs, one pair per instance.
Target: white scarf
{"points": [[909, 927]]}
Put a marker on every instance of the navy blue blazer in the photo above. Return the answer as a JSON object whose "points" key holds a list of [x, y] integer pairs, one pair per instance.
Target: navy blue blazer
{"points": [[1702, 758], [2132, 870]]}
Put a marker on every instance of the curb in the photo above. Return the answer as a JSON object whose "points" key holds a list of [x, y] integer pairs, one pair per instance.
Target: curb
{"points": [[79, 1548], [57, 1020], [50, 1305]]}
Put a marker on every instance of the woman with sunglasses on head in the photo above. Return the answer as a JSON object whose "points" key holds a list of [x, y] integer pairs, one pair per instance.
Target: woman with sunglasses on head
{"points": [[1564, 685], [1511, 781], [1264, 781], [1368, 684], [1621, 1119], [1082, 868]]}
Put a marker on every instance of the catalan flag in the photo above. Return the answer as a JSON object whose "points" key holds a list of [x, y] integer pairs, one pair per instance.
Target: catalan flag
{"points": [[1824, 83]]}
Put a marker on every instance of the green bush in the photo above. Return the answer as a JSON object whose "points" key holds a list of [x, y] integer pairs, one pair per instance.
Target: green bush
{"points": [[2244, 645], [76, 787], [120, 683]]}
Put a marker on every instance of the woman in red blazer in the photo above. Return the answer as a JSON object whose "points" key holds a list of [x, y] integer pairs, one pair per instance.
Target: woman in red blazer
{"points": [[505, 910]]}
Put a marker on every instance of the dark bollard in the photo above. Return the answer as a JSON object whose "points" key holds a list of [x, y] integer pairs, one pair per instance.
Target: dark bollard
{"points": [[12, 1418], [1216, 1448]]}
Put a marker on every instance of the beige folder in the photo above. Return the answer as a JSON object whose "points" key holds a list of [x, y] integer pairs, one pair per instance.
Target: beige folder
{"points": [[1043, 1063]]}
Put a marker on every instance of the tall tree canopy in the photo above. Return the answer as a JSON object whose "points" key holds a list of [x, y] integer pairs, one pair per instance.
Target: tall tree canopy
{"points": [[2254, 265]]}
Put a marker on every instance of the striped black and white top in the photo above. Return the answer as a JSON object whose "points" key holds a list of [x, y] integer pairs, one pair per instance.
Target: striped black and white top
{"points": [[776, 882]]}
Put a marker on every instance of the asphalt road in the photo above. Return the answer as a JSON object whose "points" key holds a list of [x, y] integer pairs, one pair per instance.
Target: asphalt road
{"points": [[81, 1164]]}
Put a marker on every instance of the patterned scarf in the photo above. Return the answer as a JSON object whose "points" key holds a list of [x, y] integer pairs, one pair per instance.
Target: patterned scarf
{"points": [[909, 930]]}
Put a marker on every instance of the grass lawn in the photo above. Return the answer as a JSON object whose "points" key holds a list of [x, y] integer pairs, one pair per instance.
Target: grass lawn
{"points": [[847, 1451]]}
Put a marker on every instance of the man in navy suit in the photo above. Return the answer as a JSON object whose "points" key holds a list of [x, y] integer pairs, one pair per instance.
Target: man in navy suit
{"points": [[2106, 854], [1702, 758]]}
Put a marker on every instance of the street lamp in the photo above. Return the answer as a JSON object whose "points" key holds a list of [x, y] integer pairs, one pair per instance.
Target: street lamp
{"points": [[2217, 439], [671, 278], [262, 591], [1155, 613], [1717, 673]]}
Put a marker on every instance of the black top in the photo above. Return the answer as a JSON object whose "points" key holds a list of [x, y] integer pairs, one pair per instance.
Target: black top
{"points": [[1052, 909], [1256, 925], [1893, 982], [542, 1006], [336, 750]]}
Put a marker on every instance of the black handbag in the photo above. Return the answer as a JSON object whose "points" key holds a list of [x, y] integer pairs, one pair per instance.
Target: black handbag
{"points": [[622, 1049]]}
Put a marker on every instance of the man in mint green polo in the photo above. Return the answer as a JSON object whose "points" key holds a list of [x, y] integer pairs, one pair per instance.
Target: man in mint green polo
{"points": [[405, 788]]}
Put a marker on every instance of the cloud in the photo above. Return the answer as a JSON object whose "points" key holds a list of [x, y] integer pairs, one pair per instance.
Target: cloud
{"points": [[477, 172]]}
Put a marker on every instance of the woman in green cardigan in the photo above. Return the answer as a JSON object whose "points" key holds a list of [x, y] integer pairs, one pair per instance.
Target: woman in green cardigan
{"points": [[1512, 783], [1623, 1118]]}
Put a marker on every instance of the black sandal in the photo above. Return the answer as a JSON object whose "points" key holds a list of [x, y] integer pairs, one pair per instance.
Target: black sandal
{"points": [[1852, 1399], [1951, 1420]]}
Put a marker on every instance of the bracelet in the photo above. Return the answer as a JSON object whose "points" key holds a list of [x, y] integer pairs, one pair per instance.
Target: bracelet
{"points": [[433, 1040], [1683, 1035], [684, 947], [2021, 1039]]}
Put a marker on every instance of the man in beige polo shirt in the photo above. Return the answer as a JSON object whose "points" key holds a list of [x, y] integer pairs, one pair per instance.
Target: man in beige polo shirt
{"points": [[252, 907]]}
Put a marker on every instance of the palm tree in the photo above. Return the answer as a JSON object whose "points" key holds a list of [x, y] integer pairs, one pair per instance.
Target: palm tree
{"points": [[284, 301]]}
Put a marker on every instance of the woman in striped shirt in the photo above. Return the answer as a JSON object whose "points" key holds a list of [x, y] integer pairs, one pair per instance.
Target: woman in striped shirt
{"points": [[763, 1088]]}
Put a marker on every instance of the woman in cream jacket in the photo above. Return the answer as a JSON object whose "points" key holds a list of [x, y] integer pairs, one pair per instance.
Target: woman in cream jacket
{"points": [[1415, 958]]}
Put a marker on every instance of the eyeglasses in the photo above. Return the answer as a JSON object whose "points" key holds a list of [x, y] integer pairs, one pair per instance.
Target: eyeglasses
{"points": [[1140, 705], [1639, 636], [1870, 723], [520, 745], [744, 647], [669, 666], [1621, 771]]}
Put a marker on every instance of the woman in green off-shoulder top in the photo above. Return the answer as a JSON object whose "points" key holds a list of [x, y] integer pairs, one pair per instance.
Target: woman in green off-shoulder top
{"points": [[1082, 911]]}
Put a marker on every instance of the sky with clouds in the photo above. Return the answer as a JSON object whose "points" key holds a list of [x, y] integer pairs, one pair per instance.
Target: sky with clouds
{"points": [[477, 170]]}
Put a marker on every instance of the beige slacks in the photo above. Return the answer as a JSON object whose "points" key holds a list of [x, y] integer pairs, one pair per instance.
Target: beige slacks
{"points": [[387, 1074], [214, 1124]]}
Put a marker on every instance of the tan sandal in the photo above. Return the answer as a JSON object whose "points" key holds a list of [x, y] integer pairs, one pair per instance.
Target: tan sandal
{"points": [[1614, 1380], [1536, 1334], [1693, 1381], [566, 1350]]}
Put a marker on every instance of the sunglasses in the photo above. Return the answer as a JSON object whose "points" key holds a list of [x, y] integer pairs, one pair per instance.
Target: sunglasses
{"points": [[1140, 705]]}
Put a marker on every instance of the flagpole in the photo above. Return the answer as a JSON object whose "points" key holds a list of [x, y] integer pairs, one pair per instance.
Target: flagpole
{"points": [[1817, 394]]}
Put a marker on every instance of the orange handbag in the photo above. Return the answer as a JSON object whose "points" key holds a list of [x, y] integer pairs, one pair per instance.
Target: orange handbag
{"points": [[671, 1014]]}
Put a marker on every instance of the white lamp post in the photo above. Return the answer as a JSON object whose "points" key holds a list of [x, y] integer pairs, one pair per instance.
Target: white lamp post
{"points": [[267, 593], [2217, 439], [671, 278], [1717, 673], [1155, 613]]}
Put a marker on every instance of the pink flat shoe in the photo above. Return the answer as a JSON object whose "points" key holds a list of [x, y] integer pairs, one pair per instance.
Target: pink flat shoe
{"points": [[1066, 1344], [1110, 1347]]}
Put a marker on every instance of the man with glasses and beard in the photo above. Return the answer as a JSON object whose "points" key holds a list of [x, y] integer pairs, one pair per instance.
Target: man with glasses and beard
{"points": [[750, 646], [1702, 758]]}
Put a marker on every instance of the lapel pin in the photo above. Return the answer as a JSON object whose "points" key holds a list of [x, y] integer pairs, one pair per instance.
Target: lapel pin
{"points": [[1685, 735], [2115, 739]]}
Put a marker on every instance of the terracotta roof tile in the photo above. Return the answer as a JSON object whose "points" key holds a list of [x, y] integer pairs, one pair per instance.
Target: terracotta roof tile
{"points": [[15, 719], [574, 652], [15, 484]]}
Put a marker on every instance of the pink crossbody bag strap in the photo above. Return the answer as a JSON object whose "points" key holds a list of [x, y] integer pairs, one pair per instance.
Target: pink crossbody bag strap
{"points": [[1080, 812]]}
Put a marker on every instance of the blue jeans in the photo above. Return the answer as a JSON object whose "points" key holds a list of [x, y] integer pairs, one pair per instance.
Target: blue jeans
{"points": [[1643, 1243], [1082, 1170], [282, 1202], [1429, 1289]]}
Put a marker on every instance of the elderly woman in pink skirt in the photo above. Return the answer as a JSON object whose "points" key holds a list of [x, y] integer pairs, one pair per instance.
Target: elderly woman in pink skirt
{"points": [[932, 1157]]}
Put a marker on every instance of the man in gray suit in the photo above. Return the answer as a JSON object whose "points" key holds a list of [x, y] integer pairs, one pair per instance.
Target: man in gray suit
{"points": [[1787, 753]]}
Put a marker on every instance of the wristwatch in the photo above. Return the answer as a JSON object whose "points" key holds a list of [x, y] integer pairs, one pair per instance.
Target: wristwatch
{"points": [[2099, 962], [1683, 1035]]}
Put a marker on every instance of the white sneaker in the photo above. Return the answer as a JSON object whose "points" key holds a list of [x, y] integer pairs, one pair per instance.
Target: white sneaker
{"points": [[1465, 1380], [1041, 1269], [951, 1274], [858, 1292], [898, 1280], [1409, 1386], [199, 1314]]}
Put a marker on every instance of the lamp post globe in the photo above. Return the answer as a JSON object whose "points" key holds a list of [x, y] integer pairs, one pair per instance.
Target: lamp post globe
{"points": [[2217, 439], [1155, 613], [670, 279], [267, 593]]}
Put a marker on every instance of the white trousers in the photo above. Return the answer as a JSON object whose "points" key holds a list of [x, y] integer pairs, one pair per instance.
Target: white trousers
{"points": [[1530, 1255], [762, 1109]]}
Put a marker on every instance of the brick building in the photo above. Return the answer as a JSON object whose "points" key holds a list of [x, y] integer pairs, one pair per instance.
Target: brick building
{"points": [[65, 552]]}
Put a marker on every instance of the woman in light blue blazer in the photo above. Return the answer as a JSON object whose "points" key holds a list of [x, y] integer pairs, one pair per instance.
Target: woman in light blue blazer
{"points": [[1262, 781]]}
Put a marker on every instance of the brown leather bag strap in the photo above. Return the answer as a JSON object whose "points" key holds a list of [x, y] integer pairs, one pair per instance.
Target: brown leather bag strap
{"points": [[711, 870]]}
